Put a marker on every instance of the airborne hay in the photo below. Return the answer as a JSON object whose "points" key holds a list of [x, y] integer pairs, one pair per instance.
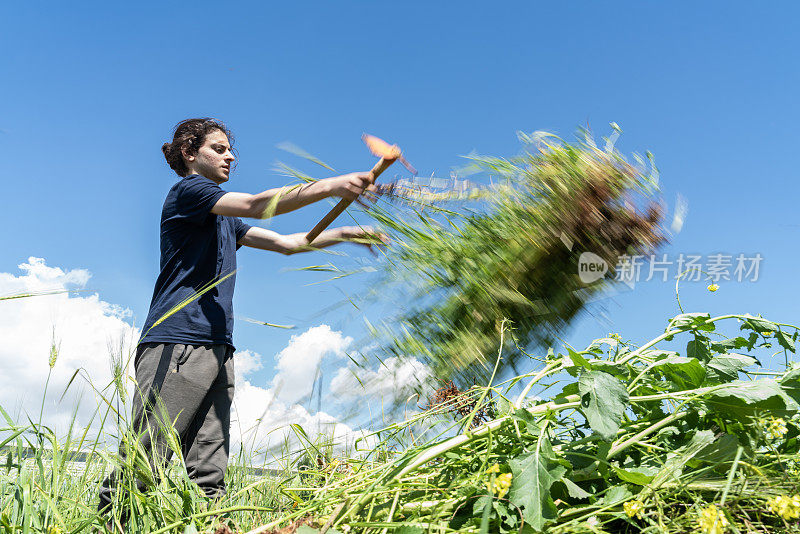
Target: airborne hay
{"points": [[511, 252]]}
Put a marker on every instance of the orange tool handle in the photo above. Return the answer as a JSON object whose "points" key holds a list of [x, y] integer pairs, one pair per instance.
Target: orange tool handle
{"points": [[337, 210]]}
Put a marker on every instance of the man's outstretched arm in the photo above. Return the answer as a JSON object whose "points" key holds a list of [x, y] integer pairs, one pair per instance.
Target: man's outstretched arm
{"points": [[264, 239], [287, 199]]}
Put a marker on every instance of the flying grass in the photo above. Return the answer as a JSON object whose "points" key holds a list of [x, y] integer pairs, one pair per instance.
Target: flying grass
{"points": [[511, 253], [27, 294], [264, 323], [191, 298]]}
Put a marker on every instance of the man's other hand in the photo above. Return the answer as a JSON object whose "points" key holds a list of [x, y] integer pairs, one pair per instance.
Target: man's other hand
{"points": [[366, 236]]}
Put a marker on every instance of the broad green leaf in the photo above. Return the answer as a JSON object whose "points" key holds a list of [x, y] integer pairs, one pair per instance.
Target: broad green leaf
{"points": [[503, 406], [533, 475], [578, 360], [480, 504], [306, 530], [633, 475], [697, 348], [791, 376], [674, 465], [406, 529], [615, 495], [726, 367], [575, 491], [694, 321], [729, 344], [687, 373], [609, 367], [744, 398], [722, 450], [785, 340], [660, 354], [526, 417], [758, 324], [603, 401], [569, 389]]}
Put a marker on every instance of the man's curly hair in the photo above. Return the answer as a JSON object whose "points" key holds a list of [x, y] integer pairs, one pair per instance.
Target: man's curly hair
{"points": [[190, 136]]}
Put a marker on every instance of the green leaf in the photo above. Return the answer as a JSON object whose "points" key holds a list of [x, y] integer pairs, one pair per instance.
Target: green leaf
{"points": [[569, 389], [579, 360], [694, 321], [660, 354], [575, 491], [792, 375], [744, 398], [603, 401], [687, 373], [596, 345], [722, 450], [533, 475], [615, 495], [406, 529], [190, 529], [729, 344], [726, 367], [697, 348], [633, 475], [758, 324], [611, 368], [524, 416], [674, 465], [785, 340], [307, 530]]}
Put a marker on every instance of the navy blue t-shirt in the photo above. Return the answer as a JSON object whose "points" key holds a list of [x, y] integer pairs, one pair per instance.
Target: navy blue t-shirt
{"points": [[197, 248]]}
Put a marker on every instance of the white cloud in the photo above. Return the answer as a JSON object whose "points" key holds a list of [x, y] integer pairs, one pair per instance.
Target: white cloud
{"points": [[394, 380], [262, 415], [89, 330], [297, 365], [86, 329], [246, 362]]}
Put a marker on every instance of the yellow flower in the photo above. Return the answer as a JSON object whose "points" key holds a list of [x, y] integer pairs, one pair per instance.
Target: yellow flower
{"points": [[498, 485], [785, 506], [713, 287], [776, 427], [615, 336], [634, 508], [712, 521], [54, 530], [501, 484], [331, 466]]}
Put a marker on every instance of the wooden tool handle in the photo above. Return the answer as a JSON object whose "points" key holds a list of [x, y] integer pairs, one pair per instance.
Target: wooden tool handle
{"points": [[337, 210]]}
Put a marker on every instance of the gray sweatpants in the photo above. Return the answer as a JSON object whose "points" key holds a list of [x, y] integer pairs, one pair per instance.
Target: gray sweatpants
{"points": [[194, 384]]}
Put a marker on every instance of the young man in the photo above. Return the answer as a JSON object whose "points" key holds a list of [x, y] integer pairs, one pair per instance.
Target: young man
{"points": [[184, 360]]}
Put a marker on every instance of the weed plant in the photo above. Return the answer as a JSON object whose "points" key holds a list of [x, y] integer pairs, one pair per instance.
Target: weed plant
{"points": [[638, 439]]}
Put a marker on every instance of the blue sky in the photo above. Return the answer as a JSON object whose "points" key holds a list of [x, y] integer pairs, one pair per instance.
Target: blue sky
{"points": [[90, 91]]}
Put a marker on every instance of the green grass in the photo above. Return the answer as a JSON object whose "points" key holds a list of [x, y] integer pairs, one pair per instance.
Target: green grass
{"points": [[580, 434]]}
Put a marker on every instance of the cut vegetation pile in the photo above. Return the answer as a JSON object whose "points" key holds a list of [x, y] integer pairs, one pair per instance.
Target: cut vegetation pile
{"points": [[511, 253], [644, 439]]}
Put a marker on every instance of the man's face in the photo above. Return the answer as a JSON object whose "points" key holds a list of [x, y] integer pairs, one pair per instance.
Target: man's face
{"points": [[213, 159]]}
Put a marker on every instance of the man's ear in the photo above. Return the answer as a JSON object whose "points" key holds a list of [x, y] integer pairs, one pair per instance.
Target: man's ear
{"points": [[186, 155]]}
